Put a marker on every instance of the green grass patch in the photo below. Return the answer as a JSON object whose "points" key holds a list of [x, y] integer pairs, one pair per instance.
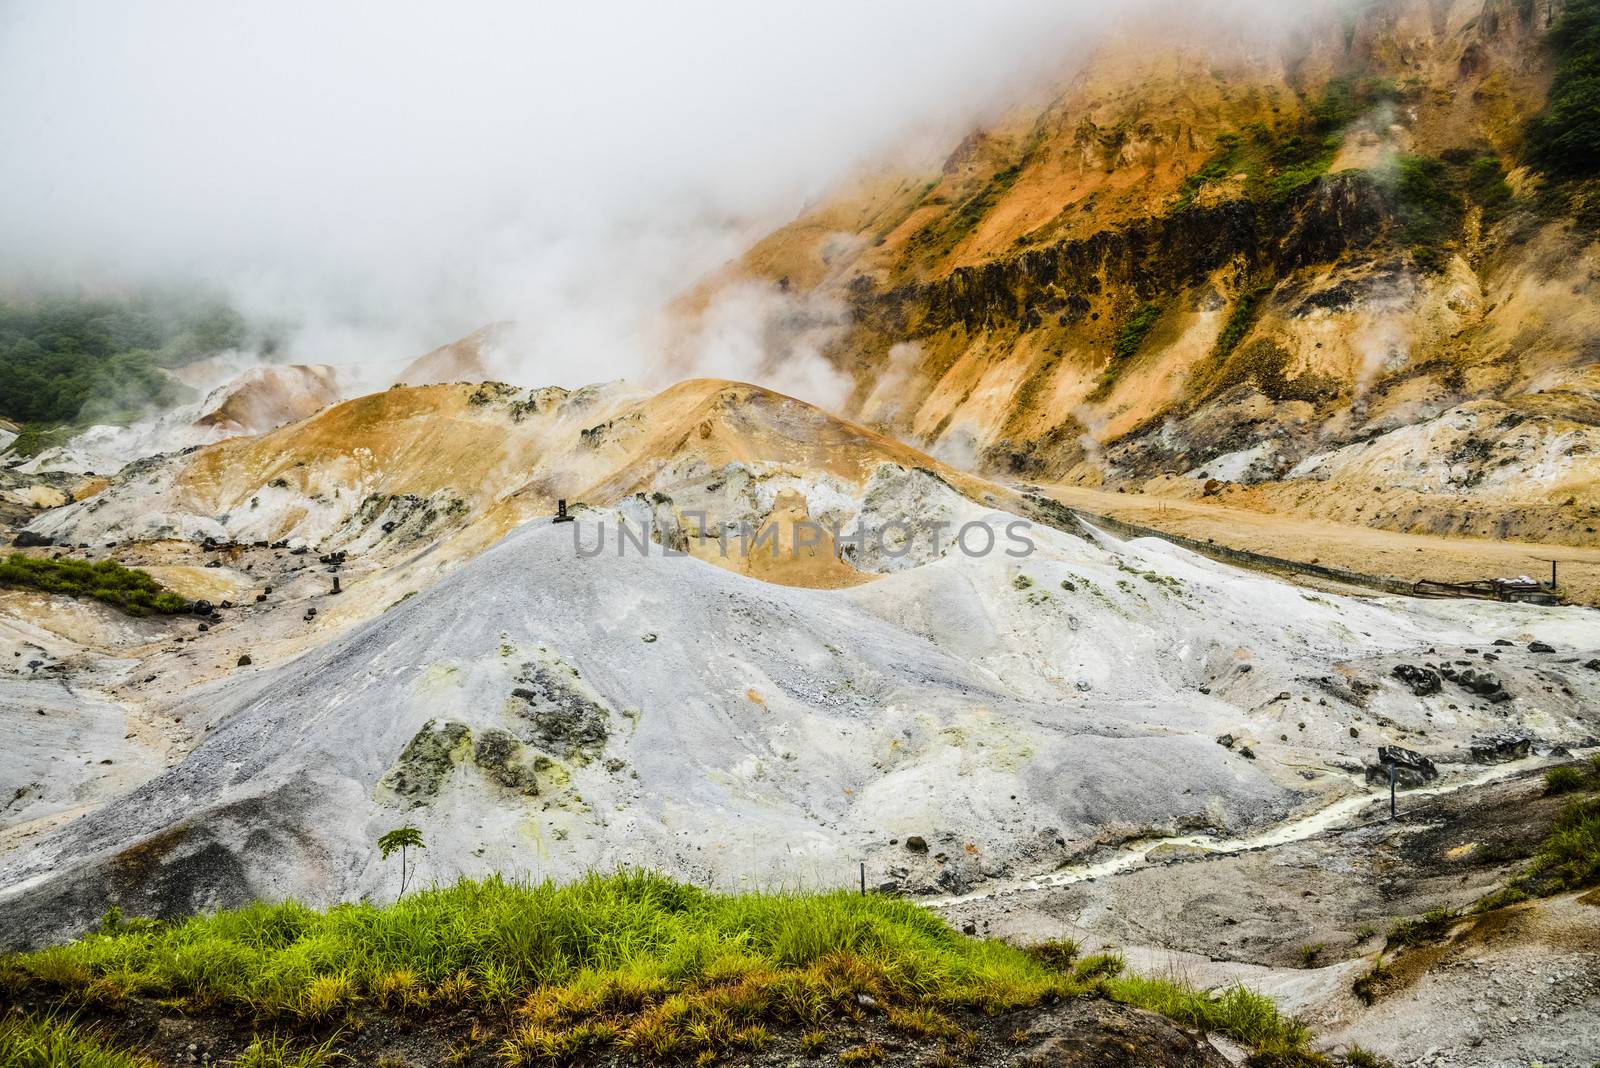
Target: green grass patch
{"points": [[632, 963], [1569, 856], [129, 589], [1241, 318], [1250, 1017], [1277, 162], [947, 231], [1431, 926], [1564, 780], [34, 438], [1569, 859], [1130, 338], [52, 1042]]}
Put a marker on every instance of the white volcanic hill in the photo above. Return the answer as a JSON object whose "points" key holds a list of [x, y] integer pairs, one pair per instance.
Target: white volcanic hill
{"points": [[537, 711]]}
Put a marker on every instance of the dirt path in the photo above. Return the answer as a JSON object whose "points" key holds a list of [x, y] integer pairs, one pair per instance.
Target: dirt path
{"points": [[1376, 552], [1301, 920]]}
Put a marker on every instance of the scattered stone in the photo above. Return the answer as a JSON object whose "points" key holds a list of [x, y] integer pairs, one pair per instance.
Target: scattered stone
{"points": [[1540, 647], [1485, 684], [243, 661], [916, 843], [1225, 740]]}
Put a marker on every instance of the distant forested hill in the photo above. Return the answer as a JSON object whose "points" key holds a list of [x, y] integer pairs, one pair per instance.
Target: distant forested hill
{"points": [[65, 358]]}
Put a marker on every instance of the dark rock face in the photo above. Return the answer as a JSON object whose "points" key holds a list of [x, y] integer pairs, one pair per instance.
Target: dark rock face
{"points": [[565, 721], [1423, 681], [1412, 769], [427, 761], [1097, 1033], [1499, 748], [1161, 253], [188, 868], [27, 539]]}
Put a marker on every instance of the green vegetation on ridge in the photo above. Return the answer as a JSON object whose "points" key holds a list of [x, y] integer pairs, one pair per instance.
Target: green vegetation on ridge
{"points": [[1277, 162], [632, 962], [129, 589]]}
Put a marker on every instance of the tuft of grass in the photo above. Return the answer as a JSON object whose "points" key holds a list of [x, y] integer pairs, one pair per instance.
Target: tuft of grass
{"points": [[54, 1042], [129, 589], [1356, 1057], [1055, 953], [813, 1042], [1240, 1013], [1310, 953], [1431, 926], [1563, 780], [274, 1052], [1369, 985], [1569, 859], [869, 1053]]}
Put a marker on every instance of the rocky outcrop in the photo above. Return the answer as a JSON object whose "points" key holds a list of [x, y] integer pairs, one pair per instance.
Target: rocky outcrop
{"points": [[426, 761], [1412, 769], [1423, 681], [1500, 748]]}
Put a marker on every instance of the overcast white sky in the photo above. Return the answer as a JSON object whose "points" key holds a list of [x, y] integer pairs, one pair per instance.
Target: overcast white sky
{"points": [[394, 174]]}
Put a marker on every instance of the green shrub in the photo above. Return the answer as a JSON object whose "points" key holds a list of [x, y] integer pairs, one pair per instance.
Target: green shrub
{"points": [[129, 589], [1429, 208]]}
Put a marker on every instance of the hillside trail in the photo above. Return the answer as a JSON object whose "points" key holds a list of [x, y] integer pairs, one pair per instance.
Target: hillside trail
{"points": [[1369, 550], [1344, 814]]}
